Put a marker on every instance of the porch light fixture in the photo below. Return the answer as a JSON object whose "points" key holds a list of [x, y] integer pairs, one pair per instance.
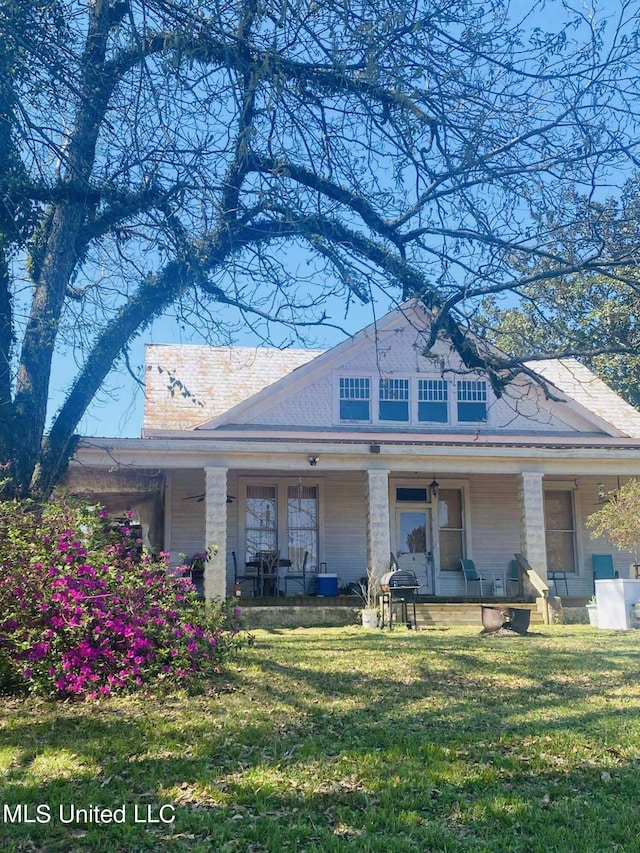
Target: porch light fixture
{"points": [[602, 497], [313, 461], [433, 487]]}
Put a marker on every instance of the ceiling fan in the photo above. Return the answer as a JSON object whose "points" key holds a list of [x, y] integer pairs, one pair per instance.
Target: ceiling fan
{"points": [[200, 498]]}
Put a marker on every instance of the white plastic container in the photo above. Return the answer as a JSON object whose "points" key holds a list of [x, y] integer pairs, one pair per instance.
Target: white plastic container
{"points": [[616, 601]]}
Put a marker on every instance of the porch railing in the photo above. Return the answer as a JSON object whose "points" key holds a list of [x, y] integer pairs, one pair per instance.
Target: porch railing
{"points": [[537, 584]]}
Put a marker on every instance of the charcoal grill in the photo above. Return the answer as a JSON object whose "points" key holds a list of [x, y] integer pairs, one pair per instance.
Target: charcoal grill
{"points": [[398, 589]]}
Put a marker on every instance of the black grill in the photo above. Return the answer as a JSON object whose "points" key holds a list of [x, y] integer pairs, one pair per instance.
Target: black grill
{"points": [[399, 588]]}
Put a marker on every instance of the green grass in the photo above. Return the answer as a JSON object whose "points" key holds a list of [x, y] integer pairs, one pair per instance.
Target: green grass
{"points": [[336, 739]]}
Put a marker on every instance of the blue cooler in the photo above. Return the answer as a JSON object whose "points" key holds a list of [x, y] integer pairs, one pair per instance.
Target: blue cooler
{"points": [[327, 585]]}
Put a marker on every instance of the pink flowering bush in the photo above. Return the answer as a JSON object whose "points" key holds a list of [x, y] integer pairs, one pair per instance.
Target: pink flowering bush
{"points": [[85, 613]]}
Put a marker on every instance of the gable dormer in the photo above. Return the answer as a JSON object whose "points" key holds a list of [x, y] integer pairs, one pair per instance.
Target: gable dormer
{"points": [[385, 380]]}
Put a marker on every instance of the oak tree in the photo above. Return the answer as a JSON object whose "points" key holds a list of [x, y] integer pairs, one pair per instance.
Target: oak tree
{"points": [[160, 153]]}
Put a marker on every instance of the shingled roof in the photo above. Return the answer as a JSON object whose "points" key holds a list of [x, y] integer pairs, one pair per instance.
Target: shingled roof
{"points": [[190, 384], [583, 386]]}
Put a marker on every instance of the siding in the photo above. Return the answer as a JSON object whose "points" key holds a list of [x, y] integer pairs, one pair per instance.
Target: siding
{"points": [[345, 533], [187, 518], [494, 518], [399, 353]]}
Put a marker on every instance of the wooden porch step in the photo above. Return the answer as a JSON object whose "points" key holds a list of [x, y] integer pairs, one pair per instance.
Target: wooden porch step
{"points": [[430, 615], [297, 612]]}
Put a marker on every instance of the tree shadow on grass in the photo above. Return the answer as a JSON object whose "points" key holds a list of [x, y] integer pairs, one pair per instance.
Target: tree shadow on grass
{"points": [[456, 749]]}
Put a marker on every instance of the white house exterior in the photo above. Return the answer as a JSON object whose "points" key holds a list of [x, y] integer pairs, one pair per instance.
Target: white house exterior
{"points": [[337, 453]]}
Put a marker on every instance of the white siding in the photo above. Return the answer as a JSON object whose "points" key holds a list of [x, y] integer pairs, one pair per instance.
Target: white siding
{"points": [[399, 353], [345, 536], [187, 516]]}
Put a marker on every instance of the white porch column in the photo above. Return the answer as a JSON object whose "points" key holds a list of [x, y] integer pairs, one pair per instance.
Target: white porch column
{"points": [[215, 573], [378, 523], [532, 529]]}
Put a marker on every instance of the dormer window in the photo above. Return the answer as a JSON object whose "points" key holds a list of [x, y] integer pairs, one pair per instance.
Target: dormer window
{"points": [[472, 400], [394, 400], [433, 400], [427, 403], [355, 399]]}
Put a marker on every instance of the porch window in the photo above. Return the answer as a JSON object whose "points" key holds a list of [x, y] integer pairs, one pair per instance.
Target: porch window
{"points": [[451, 529], [472, 400], [394, 400], [560, 530], [302, 524], [409, 494], [261, 520], [433, 400], [355, 396]]}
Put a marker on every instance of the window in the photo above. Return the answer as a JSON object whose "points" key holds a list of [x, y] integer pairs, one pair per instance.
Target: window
{"points": [[451, 529], [394, 400], [261, 520], [433, 400], [560, 530], [302, 524], [472, 400], [354, 399], [407, 494]]}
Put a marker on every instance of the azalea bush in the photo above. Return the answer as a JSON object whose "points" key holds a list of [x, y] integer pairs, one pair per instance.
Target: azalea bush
{"points": [[84, 612]]}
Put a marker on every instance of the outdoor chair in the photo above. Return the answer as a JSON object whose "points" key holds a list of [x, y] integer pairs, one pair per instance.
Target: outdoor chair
{"points": [[268, 562], [603, 567], [298, 577], [250, 576], [471, 574], [555, 575]]}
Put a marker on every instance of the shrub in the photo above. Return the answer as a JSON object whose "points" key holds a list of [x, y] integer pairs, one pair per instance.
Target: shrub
{"points": [[84, 612], [618, 520]]}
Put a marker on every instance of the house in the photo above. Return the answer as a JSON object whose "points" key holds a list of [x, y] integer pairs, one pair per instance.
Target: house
{"points": [[371, 447]]}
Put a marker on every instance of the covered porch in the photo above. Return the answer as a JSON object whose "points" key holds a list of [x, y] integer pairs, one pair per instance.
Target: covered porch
{"points": [[348, 506], [345, 522]]}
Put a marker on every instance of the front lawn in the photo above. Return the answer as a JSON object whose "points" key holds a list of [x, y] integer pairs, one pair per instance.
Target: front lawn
{"points": [[346, 739]]}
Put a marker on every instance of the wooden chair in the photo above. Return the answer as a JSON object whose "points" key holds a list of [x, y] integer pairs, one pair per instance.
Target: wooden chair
{"points": [[268, 562], [249, 576]]}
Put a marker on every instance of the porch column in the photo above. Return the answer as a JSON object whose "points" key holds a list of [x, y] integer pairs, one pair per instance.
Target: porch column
{"points": [[532, 528], [378, 523], [215, 526]]}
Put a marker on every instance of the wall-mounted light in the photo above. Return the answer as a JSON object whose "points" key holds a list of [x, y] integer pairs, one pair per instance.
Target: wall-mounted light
{"points": [[313, 461], [602, 496], [433, 487]]}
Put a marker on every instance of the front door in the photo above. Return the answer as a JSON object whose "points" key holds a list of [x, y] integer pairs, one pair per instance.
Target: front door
{"points": [[414, 545]]}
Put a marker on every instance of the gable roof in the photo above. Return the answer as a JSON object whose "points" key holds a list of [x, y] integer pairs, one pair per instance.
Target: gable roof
{"points": [[229, 384]]}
